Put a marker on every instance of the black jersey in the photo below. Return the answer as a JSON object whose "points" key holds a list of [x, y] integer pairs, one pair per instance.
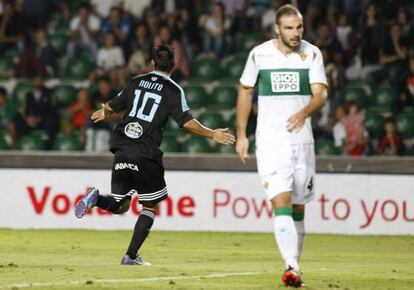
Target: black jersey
{"points": [[147, 103]]}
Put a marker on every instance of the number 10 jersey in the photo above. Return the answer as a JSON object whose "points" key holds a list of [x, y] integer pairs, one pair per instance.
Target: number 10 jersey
{"points": [[147, 102]]}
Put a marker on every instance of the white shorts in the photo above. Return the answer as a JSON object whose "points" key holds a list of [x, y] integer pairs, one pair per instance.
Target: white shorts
{"points": [[287, 168]]}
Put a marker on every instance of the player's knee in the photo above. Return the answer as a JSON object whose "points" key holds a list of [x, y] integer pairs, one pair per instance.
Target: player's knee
{"points": [[123, 206], [152, 206], [282, 200], [298, 208]]}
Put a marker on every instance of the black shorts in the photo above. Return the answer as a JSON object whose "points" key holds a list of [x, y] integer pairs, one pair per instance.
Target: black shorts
{"points": [[137, 175]]}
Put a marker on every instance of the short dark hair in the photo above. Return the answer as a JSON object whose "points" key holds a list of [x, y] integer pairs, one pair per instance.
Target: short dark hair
{"points": [[3, 92], [164, 57], [287, 9]]}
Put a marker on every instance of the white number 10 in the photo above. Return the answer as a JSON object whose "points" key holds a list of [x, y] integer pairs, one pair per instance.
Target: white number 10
{"points": [[140, 114]]}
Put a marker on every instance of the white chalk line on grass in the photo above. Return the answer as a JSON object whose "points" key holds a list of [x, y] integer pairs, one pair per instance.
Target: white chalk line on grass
{"points": [[131, 280]]}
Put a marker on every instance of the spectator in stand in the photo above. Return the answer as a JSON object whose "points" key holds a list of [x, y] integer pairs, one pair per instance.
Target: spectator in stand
{"points": [[344, 33], [84, 32], [407, 26], [110, 60], [356, 134], [117, 24], [339, 131], [8, 115], [181, 69], [98, 134], [140, 46], [135, 8], [369, 39], [406, 97], [11, 28], [37, 13], [80, 111], [101, 8], [186, 23], [39, 112], [152, 22], [335, 75], [393, 57], [325, 39], [390, 143], [39, 58], [215, 25], [269, 17]]}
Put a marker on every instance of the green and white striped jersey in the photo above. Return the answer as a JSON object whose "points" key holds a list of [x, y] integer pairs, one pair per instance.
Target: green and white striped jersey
{"points": [[283, 83]]}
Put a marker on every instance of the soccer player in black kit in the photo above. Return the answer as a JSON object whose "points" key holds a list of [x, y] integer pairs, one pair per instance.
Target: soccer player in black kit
{"points": [[147, 102]]}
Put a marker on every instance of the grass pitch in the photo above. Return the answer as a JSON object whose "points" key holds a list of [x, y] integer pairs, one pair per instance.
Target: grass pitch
{"points": [[40, 259]]}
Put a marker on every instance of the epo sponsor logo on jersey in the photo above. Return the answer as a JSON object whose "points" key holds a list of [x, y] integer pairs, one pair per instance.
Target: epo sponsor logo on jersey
{"points": [[133, 130], [285, 82]]}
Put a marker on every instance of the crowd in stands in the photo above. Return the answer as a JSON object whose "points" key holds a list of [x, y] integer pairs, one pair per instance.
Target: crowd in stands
{"points": [[367, 45]]}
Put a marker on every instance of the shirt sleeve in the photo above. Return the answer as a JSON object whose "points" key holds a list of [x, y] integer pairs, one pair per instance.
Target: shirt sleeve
{"points": [[317, 70], [120, 102], [250, 72], [179, 109]]}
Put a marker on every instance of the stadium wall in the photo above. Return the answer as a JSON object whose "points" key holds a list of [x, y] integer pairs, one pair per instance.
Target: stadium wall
{"points": [[210, 193]]}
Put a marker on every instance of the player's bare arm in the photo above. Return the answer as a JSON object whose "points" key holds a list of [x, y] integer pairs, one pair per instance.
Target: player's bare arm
{"points": [[221, 135], [319, 98], [244, 105], [102, 114]]}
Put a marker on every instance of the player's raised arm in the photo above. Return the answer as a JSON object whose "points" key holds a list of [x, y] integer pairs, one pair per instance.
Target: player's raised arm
{"points": [[244, 105], [221, 135]]}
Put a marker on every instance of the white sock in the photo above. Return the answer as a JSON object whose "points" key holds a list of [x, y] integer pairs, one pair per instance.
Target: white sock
{"points": [[300, 229], [287, 240]]}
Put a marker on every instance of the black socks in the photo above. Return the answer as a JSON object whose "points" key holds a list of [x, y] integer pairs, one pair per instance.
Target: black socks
{"points": [[141, 231]]}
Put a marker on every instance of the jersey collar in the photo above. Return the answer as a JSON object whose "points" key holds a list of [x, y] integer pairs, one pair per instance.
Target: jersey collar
{"points": [[160, 73]]}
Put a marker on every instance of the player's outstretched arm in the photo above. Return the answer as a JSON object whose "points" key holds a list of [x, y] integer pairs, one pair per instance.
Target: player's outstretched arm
{"points": [[222, 136], [244, 105], [102, 113]]}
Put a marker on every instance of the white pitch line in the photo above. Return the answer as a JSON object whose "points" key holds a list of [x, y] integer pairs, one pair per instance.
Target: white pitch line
{"points": [[132, 280]]}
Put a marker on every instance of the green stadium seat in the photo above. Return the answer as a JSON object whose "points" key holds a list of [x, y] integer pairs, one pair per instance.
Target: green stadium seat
{"points": [[355, 94], [205, 70], [405, 125], [196, 145], [375, 124], [225, 149], [20, 92], [59, 42], [30, 143], [78, 69], [247, 41], [196, 96], [409, 151], [67, 143], [169, 144], [233, 69], [384, 97], [64, 95], [223, 97], [326, 147], [7, 63], [212, 120], [3, 141]]}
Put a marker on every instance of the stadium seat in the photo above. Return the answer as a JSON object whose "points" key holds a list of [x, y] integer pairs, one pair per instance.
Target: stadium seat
{"points": [[232, 70], [3, 141], [169, 144], [196, 96], [223, 97], [59, 42], [405, 125], [355, 94], [20, 92], [326, 147], [196, 145], [78, 69], [375, 124], [30, 143], [212, 120], [63, 95], [205, 70], [67, 143], [225, 149], [247, 41], [384, 97], [7, 63]]}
